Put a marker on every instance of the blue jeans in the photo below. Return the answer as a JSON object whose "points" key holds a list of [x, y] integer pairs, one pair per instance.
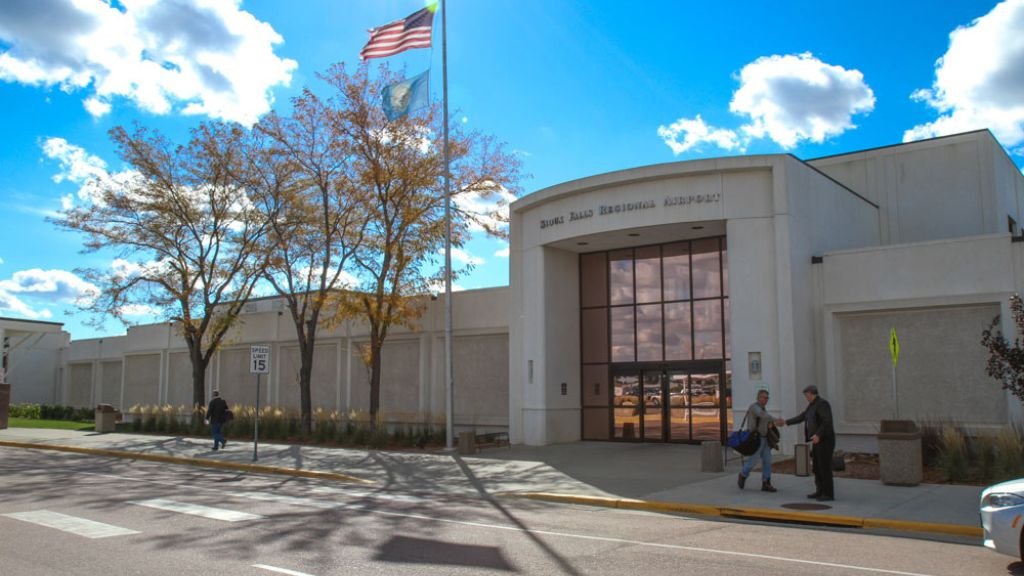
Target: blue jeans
{"points": [[218, 438], [764, 451]]}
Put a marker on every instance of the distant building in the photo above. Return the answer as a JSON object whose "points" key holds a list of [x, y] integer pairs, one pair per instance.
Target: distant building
{"points": [[651, 304]]}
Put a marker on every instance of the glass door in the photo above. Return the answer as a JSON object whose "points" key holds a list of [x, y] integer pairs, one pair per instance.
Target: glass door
{"points": [[654, 406], [679, 405], [669, 403], [705, 406], [626, 405]]}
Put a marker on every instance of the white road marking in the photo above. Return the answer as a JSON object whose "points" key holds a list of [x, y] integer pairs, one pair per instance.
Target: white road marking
{"points": [[756, 556], [72, 524], [283, 499], [273, 497], [368, 494], [198, 510], [280, 570]]}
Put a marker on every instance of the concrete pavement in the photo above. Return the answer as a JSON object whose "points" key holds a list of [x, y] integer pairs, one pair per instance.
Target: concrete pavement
{"points": [[660, 477]]}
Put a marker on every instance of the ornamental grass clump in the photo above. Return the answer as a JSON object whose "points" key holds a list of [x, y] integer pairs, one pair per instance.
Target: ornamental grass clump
{"points": [[1009, 458], [952, 458]]}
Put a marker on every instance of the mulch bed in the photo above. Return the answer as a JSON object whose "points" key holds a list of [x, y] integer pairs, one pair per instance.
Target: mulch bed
{"points": [[865, 467]]}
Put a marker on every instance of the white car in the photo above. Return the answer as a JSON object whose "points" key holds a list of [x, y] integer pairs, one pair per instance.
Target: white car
{"points": [[1002, 517]]}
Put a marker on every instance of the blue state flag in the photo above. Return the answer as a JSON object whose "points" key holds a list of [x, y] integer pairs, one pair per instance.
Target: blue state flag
{"points": [[409, 94]]}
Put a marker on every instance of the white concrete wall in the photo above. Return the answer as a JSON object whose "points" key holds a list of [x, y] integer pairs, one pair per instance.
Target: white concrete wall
{"points": [[821, 215], [928, 190], [34, 367], [939, 295]]}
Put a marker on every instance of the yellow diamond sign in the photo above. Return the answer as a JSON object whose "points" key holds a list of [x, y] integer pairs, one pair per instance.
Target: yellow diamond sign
{"points": [[894, 346]]}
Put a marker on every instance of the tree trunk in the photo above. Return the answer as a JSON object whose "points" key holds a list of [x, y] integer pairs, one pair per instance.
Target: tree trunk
{"points": [[198, 376], [375, 370], [305, 378]]}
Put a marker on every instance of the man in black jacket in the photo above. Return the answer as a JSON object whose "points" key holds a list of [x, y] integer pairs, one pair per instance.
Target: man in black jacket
{"points": [[216, 415], [818, 430]]}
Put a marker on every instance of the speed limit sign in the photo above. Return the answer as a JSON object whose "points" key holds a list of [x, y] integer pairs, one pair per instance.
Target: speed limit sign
{"points": [[259, 360]]}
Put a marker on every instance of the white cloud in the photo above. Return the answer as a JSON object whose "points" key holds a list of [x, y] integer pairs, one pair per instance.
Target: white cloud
{"points": [[11, 304], [438, 288], [487, 209], [979, 81], [787, 99], [189, 56], [696, 132], [462, 257], [140, 310], [80, 167], [76, 164], [503, 253], [45, 287], [798, 97], [54, 284]]}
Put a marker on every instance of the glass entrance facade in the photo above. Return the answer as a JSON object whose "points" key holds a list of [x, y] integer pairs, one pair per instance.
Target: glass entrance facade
{"points": [[655, 343]]}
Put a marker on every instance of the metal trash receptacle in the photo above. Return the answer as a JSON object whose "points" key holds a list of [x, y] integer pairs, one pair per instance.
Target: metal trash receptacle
{"points": [[106, 418], [802, 457], [467, 442]]}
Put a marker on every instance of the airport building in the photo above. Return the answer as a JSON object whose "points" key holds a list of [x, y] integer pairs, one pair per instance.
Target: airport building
{"points": [[651, 304]]}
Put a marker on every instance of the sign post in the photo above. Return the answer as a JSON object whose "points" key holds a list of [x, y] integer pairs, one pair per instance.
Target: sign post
{"points": [[259, 364], [894, 353]]}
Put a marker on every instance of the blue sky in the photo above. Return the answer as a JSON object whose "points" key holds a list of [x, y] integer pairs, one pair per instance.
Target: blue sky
{"points": [[575, 88]]}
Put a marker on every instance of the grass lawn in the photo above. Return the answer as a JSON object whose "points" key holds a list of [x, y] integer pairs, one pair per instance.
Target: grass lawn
{"points": [[54, 424]]}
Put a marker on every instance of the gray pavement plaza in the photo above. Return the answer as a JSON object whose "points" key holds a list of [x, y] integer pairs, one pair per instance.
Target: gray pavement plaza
{"points": [[660, 475]]}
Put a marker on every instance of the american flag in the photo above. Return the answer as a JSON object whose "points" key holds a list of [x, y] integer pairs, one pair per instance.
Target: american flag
{"points": [[412, 31]]}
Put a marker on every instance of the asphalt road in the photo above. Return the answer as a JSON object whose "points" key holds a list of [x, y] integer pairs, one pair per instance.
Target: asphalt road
{"points": [[71, 514]]}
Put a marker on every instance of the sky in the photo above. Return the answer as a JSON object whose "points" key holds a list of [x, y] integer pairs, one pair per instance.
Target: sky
{"points": [[574, 88]]}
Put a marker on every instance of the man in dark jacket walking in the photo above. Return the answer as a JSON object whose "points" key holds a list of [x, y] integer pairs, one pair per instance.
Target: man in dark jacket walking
{"points": [[215, 413], [818, 430]]}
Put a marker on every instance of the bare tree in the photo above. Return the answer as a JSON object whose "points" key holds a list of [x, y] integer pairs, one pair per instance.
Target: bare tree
{"points": [[398, 167], [323, 219], [187, 229]]}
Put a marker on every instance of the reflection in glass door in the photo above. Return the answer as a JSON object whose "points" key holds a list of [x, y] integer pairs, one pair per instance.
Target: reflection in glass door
{"points": [[705, 407], [679, 405], [653, 406], [626, 406]]}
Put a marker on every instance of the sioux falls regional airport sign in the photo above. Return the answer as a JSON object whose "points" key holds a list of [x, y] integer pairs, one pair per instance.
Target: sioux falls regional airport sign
{"points": [[608, 209]]}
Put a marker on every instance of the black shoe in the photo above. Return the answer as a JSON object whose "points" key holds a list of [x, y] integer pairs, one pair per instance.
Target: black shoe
{"points": [[214, 448], [824, 498], [766, 486], [741, 481], [814, 495], [223, 444]]}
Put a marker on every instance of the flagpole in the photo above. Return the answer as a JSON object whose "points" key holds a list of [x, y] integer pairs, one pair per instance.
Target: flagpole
{"points": [[449, 381]]}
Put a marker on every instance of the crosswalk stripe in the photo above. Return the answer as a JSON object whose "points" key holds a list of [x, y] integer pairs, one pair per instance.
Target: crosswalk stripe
{"points": [[280, 570], [72, 524], [198, 510], [368, 494], [282, 499]]}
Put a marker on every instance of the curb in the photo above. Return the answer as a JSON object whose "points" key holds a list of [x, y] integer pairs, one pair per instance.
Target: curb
{"points": [[202, 462], [762, 514]]}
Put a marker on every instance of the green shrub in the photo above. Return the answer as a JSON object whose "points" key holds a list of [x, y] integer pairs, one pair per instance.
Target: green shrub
{"points": [[31, 411], [361, 436], [952, 457]]}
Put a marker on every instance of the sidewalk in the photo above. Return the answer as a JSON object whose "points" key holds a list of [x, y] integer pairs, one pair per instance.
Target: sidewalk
{"points": [[661, 477]]}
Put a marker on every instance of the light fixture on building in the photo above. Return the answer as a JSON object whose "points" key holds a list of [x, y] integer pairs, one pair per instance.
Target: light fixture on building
{"points": [[634, 234], [582, 243], [697, 227]]}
